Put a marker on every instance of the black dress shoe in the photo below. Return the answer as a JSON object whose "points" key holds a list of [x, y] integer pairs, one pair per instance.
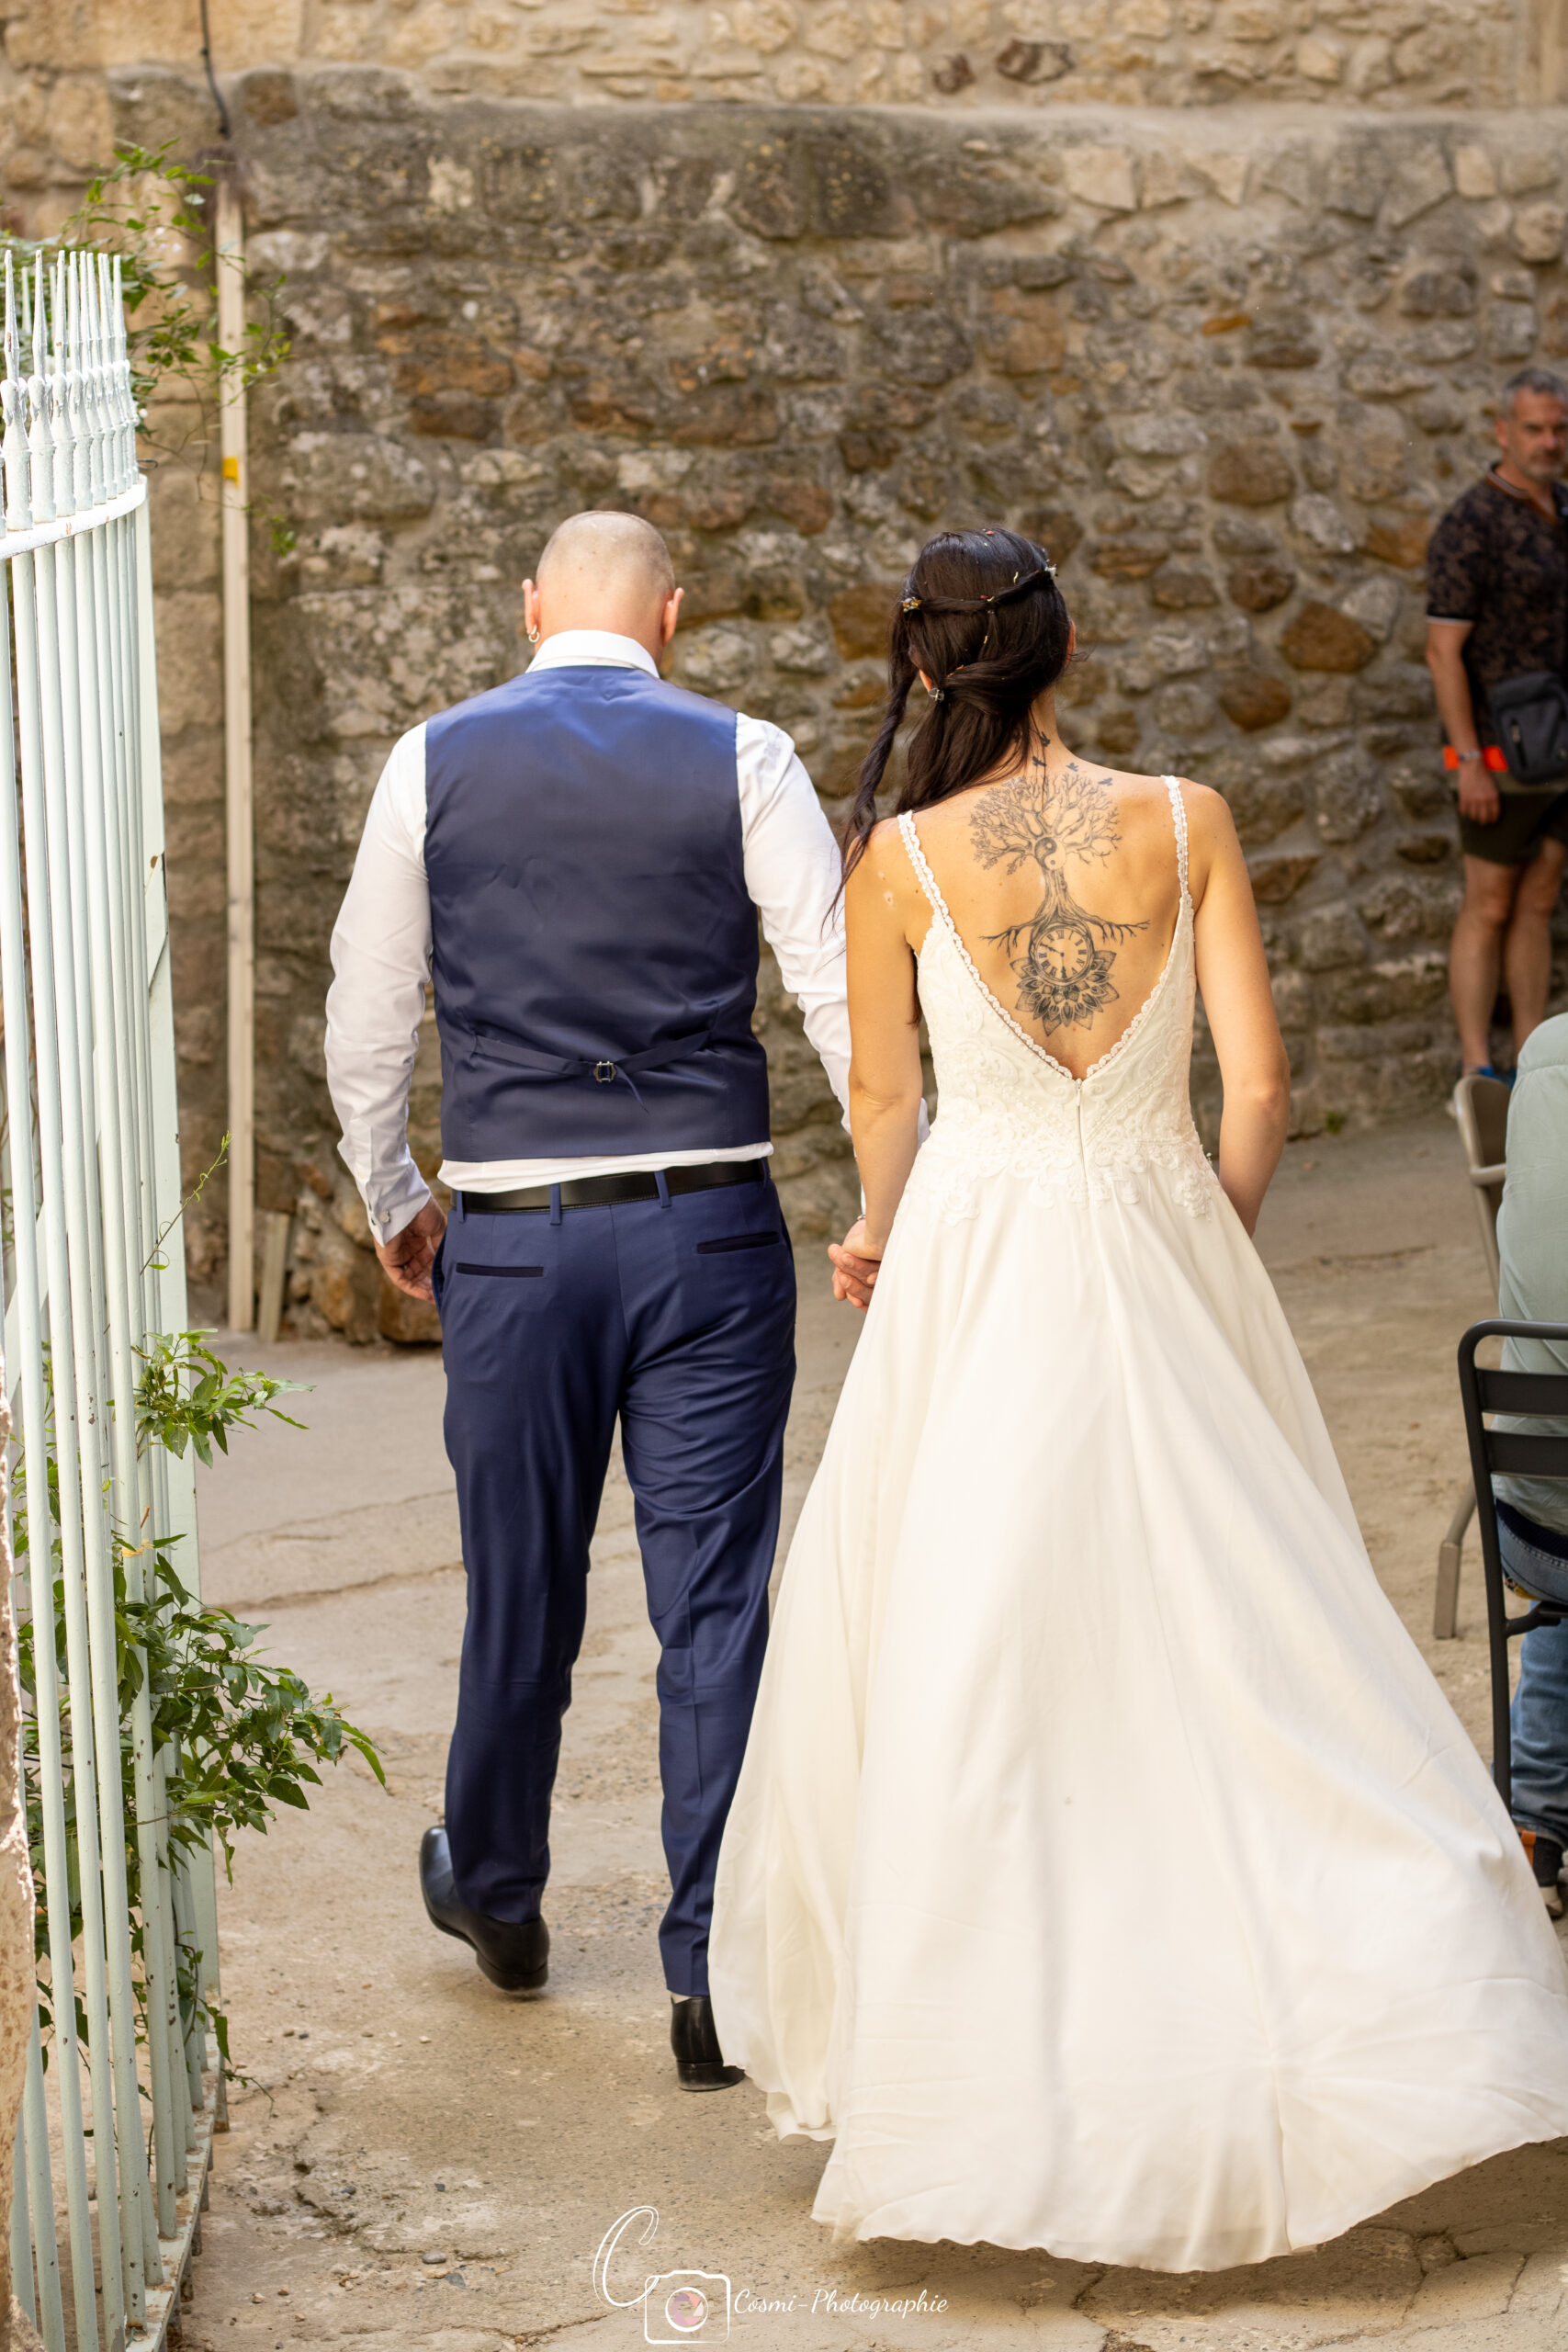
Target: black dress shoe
{"points": [[513, 1955], [694, 2037]]}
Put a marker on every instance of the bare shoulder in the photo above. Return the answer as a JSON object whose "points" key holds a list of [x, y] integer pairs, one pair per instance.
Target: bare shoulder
{"points": [[1142, 802], [883, 873], [1152, 790], [1203, 805], [1212, 836], [1143, 805], [1209, 824], [884, 850]]}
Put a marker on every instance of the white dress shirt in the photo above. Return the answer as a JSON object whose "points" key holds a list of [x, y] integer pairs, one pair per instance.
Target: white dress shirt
{"points": [[381, 953]]}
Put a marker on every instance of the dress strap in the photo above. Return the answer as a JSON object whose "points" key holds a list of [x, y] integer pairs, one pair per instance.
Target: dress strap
{"points": [[1178, 811], [923, 873]]}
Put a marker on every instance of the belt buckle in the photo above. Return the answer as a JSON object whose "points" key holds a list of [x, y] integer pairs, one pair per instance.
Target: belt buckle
{"points": [[604, 1073]]}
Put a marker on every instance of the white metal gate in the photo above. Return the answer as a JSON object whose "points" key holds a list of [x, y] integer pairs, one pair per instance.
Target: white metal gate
{"points": [[116, 2123]]}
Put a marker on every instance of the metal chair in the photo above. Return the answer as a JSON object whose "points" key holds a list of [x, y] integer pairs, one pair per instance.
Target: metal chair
{"points": [[1481, 1110], [1534, 1453]]}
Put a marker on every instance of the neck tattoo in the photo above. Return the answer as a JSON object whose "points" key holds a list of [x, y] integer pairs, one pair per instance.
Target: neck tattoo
{"points": [[1061, 957]]}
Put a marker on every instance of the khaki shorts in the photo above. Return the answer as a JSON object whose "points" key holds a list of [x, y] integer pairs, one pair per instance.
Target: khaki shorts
{"points": [[1524, 821]]}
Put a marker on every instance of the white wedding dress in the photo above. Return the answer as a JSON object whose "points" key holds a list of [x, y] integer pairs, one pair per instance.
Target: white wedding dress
{"points": [[1108, 1875]]}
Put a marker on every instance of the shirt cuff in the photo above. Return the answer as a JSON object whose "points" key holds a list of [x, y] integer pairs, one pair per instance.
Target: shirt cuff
{"points": [[393, 1201]]}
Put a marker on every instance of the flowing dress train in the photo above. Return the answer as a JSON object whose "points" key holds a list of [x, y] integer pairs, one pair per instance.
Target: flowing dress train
{"points": [[1107, 1874]]}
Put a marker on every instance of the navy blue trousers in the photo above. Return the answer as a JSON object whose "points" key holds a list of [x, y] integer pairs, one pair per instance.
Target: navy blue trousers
{"points": [[677, 1316]]}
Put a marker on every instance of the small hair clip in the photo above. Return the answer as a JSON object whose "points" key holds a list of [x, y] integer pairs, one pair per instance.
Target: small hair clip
{"points": [[911, 605], [939, 694]]}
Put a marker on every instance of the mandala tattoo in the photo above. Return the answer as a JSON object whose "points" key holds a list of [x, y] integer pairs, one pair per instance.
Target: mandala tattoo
{"points": [[1061, 955]]}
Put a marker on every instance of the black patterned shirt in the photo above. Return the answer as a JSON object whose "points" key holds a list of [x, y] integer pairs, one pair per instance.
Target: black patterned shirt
{"points": [[1495, 561]]}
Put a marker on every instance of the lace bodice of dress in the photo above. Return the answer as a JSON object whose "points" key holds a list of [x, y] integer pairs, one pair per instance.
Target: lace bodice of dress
{"points": [[1008, 1108]]}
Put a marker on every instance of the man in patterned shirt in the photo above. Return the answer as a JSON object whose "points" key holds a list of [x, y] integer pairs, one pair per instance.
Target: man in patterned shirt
{"points": [[1497, 606]]}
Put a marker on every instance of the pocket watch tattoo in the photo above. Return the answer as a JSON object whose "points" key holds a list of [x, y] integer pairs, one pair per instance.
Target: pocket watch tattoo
{"points": [[1061, 955]]}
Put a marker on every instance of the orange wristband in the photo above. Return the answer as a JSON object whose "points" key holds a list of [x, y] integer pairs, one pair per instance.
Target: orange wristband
{"points": [[1492, 757]]}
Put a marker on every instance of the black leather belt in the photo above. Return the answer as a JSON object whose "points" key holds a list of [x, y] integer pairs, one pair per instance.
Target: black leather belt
{"points": [[607, 1191]]}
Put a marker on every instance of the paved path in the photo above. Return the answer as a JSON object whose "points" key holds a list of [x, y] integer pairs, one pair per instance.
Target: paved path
{"points": [[422, 2165]]}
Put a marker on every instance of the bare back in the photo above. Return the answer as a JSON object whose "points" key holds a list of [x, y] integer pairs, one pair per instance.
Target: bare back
{"points": [[1061, 881]]}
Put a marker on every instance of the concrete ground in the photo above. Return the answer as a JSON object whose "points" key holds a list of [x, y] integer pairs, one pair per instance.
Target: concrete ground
{"points": [[419, 2162]]}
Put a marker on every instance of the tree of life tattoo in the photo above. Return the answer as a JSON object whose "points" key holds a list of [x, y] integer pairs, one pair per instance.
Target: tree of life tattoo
{"points": [[1061, 955]]}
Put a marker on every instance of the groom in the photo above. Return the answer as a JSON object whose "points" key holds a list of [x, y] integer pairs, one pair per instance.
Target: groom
{"points": [[578, 861]]}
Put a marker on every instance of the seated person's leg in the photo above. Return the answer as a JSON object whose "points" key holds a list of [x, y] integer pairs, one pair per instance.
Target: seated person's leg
{"points": [[1539, 1718]]}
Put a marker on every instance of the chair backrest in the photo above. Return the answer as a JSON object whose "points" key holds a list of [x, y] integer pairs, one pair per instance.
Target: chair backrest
{"points": [[1481, 1109], [1529, 1454]]}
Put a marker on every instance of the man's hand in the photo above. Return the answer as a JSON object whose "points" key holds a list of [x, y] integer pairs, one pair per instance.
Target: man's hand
{"points": [[409, 1255], [1479, 798], [856, 1263]]}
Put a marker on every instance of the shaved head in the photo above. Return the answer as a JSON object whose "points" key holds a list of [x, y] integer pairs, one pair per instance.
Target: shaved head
{"points": [[615, 553], [604, 572]]}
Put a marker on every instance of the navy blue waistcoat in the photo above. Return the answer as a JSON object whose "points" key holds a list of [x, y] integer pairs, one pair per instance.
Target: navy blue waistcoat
{"points": [[595, 947]]}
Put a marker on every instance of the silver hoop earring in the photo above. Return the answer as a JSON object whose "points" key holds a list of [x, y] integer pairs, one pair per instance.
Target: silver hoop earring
{"points": [[532, 637]]}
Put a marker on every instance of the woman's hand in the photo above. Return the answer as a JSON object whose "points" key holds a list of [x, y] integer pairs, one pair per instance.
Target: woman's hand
{"points": [[856, 1261]]}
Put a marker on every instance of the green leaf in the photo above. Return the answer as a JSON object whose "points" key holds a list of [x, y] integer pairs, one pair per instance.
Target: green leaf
{"points": [[236, 1735]]}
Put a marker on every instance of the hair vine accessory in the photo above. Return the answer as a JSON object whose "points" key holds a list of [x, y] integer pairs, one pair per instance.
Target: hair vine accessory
{"points": [[1020, 586], [1016, 588]]}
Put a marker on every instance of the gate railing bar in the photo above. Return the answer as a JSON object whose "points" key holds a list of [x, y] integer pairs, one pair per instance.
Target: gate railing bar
{"points": [[29, 475], [41, 1555], [89, 1579], [95, 1180]]}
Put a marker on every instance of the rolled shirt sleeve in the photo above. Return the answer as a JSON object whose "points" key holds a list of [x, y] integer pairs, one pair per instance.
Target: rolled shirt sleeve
{"points": [[381, 956]]}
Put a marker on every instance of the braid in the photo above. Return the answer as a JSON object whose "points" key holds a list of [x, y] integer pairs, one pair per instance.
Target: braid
{"points": [[863, 812]]}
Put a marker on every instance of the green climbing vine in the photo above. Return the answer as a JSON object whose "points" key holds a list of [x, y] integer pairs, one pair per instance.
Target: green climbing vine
{"points": [[151, 211]]}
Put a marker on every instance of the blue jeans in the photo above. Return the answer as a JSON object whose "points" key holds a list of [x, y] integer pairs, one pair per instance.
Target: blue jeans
{"points": [[1539, 1713]]}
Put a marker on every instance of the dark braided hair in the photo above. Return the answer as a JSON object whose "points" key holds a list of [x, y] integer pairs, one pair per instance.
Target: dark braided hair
{"points": [[982, 615]]}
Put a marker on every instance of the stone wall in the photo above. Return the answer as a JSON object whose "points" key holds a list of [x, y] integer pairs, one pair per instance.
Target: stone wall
{"points": [[1230, 364], [964, 56], [1230, 386]]}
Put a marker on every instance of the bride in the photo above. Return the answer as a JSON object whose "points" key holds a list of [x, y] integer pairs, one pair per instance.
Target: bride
{"points": [[1107, 1874]]}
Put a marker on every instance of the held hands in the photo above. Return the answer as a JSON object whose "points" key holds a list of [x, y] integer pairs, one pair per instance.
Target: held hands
{"points": [[408, 1256], [856, 1261]]}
